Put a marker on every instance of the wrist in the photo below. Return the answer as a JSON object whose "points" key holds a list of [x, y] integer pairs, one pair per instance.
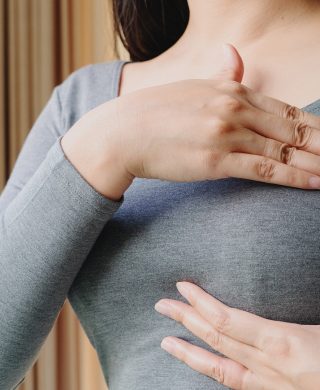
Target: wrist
{"points": [[98, 162]]}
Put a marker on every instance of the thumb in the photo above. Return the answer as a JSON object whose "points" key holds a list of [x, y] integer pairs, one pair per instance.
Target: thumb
{"points": [[233, 68]]}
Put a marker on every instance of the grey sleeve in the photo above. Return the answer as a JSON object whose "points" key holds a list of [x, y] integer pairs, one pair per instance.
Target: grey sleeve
{"points": [[50, 217]]}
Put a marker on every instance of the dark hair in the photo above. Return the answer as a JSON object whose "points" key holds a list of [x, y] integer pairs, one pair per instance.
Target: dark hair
{"points": [[149, 27]]}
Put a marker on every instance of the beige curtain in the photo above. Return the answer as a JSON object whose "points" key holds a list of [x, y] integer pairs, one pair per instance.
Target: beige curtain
{"points": [[41, 42]]}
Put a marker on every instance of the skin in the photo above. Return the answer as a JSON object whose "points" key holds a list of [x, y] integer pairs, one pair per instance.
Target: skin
{"points": [[278, 41], [110, 160], [220, 122], [239, 136], [260, 354]]}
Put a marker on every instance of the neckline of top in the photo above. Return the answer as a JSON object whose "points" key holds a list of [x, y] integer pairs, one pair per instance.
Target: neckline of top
{"points": [[117, 79]]}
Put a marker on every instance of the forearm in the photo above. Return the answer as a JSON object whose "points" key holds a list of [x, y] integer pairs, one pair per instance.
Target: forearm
{"points": [[46, 233]]}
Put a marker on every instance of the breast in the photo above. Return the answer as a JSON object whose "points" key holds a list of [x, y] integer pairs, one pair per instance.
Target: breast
{"points": [[252, 245]]}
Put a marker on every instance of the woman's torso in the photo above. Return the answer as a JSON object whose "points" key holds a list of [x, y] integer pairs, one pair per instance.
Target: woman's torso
{"points": [[254, 246]]}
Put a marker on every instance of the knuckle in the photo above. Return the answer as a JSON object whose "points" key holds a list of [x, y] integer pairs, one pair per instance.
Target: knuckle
{"points": [[217, 373], [224, 128], [286, 154], [292, 179], [277, 346], [269, 148], [292, 112], [235, 87], [231, 105], [281, 348], [213, 338], [238, 89], [301, 134], [265, 168], [294, 342], [221, 321], [211, 160], [220, 129]]}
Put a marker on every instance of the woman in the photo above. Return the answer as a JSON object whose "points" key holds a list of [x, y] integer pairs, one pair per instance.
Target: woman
{"points": [[67, 229]]}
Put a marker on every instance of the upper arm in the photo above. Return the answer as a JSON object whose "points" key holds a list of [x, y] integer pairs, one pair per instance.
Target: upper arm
{"points": [[43, 134]]}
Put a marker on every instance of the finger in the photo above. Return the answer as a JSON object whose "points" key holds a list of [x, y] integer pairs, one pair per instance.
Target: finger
{"points": [[233, 67], [263, 169], [237, 324], [281, 109], [224, 371], [247, 141], [195, 323], [278, 120], [297, 133]]}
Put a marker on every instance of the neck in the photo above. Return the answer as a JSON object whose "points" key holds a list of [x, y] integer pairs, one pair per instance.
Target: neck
{"points": [[242, 22], [273, 37]]}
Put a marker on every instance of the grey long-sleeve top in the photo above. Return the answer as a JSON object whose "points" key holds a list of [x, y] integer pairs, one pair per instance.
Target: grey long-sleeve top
{"points": [[50, 219], [254, 246]]}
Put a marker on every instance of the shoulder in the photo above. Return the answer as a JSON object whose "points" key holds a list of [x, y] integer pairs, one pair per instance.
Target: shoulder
{"points": [[86, 88]]}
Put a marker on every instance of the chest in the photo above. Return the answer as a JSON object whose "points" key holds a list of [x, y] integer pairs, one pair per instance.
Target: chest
{"points": [[247, 243], [291, 76]]}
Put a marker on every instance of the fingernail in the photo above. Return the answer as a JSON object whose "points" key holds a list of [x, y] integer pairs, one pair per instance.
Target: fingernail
{"points": [[314, 182], [183, 289], [163, 308], [168, 345]]}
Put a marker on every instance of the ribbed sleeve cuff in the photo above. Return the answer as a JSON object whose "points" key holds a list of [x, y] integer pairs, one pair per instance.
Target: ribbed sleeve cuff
{"points": [[57, 156]]}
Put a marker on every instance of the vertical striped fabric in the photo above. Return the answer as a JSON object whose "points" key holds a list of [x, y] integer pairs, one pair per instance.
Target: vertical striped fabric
{"points": [[41, 43]]}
